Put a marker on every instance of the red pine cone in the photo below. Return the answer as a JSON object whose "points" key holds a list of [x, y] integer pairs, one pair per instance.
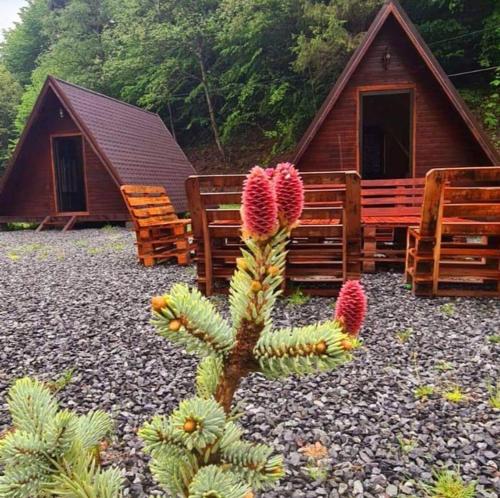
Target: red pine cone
{"points": [[351, 307], [289, 193], [259, 208]]}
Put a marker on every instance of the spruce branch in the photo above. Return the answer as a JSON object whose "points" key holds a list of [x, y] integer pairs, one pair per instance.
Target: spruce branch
{"points": [[188, 318], [207, 376], [51, 452], [301, 351], [213, 481]]}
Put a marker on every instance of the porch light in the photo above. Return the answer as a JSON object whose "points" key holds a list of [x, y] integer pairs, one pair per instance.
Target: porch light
{"points": [[386, 58], [61, 112]]}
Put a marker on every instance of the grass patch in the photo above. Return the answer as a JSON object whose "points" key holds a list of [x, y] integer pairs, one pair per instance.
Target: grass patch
{"points": [[407, 445], [494, 396], [447, 309], [454, 395], [494, 339], [444, 366], [423, 392], [449, 484], [298, 298], [404, 335], [20, 225]]}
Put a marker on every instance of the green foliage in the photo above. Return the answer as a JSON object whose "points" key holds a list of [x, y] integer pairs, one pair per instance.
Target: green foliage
{"points": [[192, 321], [404, 335], [301, 350], [219, 69], [454, 395], [199, 450], [447, 309], [51, 452], [298, 298], [207, 376], [407, 445], [494, 399], [10, 95], [444, 366], [449, 484], [494, 339], [423, 392]]}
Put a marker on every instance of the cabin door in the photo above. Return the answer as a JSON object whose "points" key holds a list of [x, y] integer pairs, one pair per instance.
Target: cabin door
{"points": [[386, 134], [69, 177]]}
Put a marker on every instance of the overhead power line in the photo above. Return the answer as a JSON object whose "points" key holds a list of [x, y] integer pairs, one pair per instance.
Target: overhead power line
{"points": [[475, 71], [465, 35]]}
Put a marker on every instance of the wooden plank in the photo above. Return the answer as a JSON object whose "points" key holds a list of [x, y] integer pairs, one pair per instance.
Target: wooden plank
{"points": [[138, 202], [472, 210], [143, 189], [472, 194], [471, 228]]}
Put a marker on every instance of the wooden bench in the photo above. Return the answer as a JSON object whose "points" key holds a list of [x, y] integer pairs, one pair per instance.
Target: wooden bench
{"points": [[388, 208], [324, 250], [455, 251], [161, 235]]}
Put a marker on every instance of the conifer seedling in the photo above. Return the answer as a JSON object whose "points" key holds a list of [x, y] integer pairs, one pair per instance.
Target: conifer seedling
{"points": [[199, 450]]}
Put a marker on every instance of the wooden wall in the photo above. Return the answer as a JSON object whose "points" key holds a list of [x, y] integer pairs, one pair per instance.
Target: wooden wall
{"points": [[29, 192], [441, 137]]}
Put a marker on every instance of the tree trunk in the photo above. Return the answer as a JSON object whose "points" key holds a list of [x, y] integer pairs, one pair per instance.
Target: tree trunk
{"points": [[211, 112]]}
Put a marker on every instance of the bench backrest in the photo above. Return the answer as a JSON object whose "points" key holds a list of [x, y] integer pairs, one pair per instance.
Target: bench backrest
{"points": [[332, 210], [392, 197], [149, 205], [461, 201]]}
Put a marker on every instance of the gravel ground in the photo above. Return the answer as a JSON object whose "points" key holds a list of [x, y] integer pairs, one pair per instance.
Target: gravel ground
{"points": [[80, 300]]}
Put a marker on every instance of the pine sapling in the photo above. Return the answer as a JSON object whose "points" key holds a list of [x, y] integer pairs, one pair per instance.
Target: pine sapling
{"points": [[199, 451], [53, 452]]}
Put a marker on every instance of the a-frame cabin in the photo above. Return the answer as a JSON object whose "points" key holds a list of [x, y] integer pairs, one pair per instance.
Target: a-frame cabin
{"points": [[77, 149], [393, 112]]}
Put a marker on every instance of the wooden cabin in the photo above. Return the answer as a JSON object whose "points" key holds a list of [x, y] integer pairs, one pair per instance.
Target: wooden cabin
{"points": [[393, 112], [77, 149]]}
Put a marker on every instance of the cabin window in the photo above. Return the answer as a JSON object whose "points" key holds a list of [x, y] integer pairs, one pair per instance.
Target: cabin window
{"points": [[386, 130], [68, 166]]}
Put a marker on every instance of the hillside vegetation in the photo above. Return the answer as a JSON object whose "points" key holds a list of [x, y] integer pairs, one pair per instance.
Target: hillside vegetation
{"points": [[235, 81]]}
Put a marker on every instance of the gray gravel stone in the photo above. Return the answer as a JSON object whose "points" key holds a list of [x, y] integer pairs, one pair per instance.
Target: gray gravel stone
{"points": [[80, 300]]}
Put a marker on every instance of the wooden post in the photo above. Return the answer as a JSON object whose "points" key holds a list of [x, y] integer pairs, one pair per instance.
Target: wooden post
{"points": [[200, 235], [352, 226]]}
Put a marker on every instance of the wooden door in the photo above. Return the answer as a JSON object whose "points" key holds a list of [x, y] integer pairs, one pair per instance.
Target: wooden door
{"points": [[69, 174]]}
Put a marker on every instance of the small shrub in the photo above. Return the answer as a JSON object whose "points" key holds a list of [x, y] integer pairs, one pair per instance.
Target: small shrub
{"points": [[454, 395], [199, 450], [449, 484], [494, 339], [423, 392], [52, 452], [298, 298]]}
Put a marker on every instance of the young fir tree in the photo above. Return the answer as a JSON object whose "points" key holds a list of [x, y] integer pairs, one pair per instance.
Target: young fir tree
{"points": [[198, 451], [52, 452]]}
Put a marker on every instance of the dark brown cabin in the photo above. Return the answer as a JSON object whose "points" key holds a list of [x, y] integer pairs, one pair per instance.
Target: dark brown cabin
{"points": [[393, 112], [78, 148]]}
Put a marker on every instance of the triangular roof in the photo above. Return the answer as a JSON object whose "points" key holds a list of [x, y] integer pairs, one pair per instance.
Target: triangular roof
{"points": [[392, 8], [134, 145]]}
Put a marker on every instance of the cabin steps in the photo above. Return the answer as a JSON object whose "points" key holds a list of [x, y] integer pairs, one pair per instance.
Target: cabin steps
{"points": [[63, 223]]}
